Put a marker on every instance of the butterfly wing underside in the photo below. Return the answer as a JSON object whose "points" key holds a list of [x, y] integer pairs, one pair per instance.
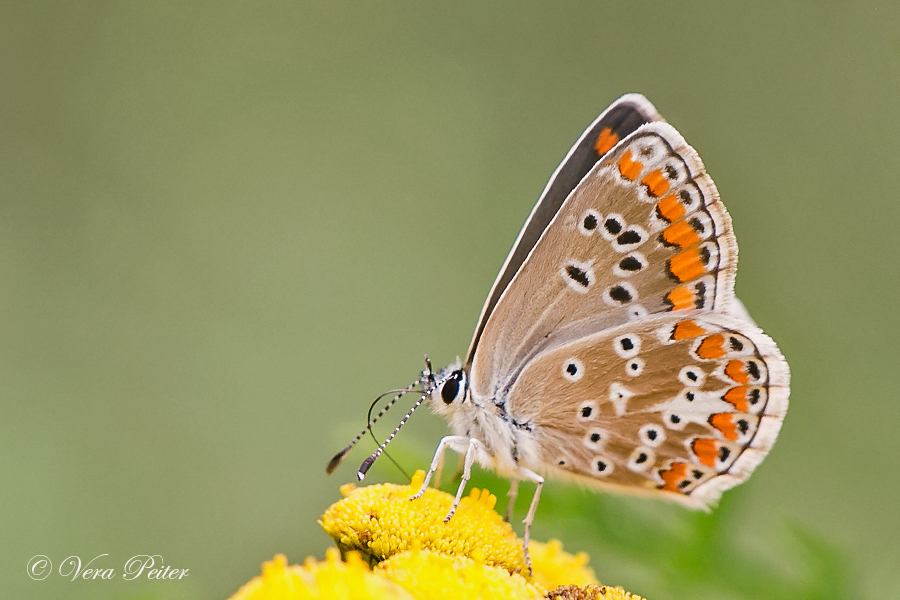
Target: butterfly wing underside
{"points": [[643, 233], [679, 405]]}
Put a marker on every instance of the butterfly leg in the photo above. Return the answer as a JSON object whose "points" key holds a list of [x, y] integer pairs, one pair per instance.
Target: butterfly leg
{"points": [[511, 494], [438, 472], [473, 447], [457, 443], [529, 518]]}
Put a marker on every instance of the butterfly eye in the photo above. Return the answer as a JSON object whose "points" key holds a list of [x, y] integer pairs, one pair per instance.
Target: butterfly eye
{"points": [[451, 387]]}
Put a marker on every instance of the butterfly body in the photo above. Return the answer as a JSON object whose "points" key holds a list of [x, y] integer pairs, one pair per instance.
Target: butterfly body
{"points": [[508, 442]]}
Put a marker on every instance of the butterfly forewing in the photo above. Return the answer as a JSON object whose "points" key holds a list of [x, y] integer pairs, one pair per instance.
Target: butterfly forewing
{"points": [[643, 233], [622, 118], [685, 405]]}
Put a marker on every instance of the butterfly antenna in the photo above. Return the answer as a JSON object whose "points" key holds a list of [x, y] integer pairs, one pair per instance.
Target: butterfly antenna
{"points": [[378, 416], [363, 469], [428, 373], [427, 378], [339, 457]]}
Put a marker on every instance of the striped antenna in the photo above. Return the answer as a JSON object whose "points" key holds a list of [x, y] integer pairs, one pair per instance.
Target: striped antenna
{"points": [[371, 460], [339, 457]]}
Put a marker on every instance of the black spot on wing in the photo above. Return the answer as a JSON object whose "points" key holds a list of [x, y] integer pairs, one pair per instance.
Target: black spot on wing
{"points": [[578, 275], [620, 294], [613, 226], [629, 237], [700, 298], [753, 369], [630, 264]]}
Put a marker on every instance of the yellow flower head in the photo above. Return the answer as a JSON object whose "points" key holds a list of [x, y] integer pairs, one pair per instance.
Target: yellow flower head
{"points": [[419, 557], [428, 575], [330, 579], [380, 521], [412, 575], [554, 567]]}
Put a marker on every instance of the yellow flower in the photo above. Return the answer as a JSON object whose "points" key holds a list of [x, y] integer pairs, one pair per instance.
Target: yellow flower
{"points": [[412, 575], [379, 521], [553, 567], [418, 556], [331, 579], [429, 575]]}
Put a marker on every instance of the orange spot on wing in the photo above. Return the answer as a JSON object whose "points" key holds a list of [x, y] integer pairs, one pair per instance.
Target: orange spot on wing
{"points": [[670, 208], [605, 141], [685, 330], [711, 347], [724, 422], [630, 169], [705, 449], [680, 234], [674, 474], [656, 183], [687, 265], [735, 370], [681, 298], [737, 396]]}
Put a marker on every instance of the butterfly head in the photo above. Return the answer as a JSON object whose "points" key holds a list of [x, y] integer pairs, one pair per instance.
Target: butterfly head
{"points": [[447, 389]]}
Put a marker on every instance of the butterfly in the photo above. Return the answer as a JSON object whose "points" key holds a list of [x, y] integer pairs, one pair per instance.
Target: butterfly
{"points": [[611, 349]]}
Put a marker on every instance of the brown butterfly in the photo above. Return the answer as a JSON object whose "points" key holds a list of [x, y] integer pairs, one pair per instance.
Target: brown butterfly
{"points": [[611, 349]]}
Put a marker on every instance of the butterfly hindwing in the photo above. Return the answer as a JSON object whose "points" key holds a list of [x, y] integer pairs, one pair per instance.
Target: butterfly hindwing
{"points": [[643, 233], [680, 405]]}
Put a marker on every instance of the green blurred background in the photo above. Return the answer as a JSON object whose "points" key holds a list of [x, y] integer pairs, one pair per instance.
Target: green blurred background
{"points": [[226, 226]]}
